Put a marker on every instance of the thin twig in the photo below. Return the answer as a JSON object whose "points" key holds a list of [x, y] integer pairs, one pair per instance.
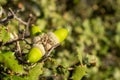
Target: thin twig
{"points": [[17, 44], [27, 26], [19, 19], [52, 49], [48, 53], [11, 15], [6, 19], [1, 11], [14, 40]]}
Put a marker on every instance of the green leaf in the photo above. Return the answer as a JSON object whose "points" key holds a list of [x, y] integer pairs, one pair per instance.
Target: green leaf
{"points": [[117, 39], [86, 26], [35, 30], [118, 28], [4, 35], [42, 23], [12, 77], [9, 61], [79, 72], [35, 72], [1, 57], [79, 52], [3, 2]]}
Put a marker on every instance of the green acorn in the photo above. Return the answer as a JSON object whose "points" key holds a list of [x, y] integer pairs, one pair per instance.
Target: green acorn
{"points": [[35, 30], [40, 48], [61, 34], [36, 53]]}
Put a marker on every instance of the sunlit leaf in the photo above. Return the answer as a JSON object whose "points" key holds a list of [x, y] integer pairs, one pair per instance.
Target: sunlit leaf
{"points": [[117, 74], [118, 28], [4, 35], [79, 72], [79, 52], [9, 61], [12, 77], [35, 72], [2, 2]]}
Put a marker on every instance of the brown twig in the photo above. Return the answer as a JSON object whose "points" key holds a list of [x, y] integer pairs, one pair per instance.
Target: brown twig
{"points": [[48, 53], [28, 25], [25, 33], [17, 44], [14, 40], [18, 19], [11, 15], [6, 19]]}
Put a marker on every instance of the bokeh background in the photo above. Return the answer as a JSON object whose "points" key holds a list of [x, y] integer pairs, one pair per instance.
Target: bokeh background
{"points": [[94, 32]]}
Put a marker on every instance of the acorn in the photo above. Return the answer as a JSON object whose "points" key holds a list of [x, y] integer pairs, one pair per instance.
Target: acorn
{"points": [[54, 38], [61, 34], [36, 53], [40, 48]]}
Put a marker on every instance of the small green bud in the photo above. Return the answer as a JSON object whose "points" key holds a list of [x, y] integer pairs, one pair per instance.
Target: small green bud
{"points": [[34, 55], [35, 30], [61, 34]]}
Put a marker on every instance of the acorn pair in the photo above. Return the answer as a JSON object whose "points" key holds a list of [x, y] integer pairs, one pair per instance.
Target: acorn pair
{"points": [[44, 42]]}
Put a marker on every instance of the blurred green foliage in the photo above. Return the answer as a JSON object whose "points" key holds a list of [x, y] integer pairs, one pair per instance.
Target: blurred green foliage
{"points": [[8, 59], [94, 35]]}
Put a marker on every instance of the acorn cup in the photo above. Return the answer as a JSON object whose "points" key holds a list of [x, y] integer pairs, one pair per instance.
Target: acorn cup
{"points": [[42, 44]]}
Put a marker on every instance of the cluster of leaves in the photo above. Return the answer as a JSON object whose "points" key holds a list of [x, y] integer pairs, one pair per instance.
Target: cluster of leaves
{"points": [[94, 33]]}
